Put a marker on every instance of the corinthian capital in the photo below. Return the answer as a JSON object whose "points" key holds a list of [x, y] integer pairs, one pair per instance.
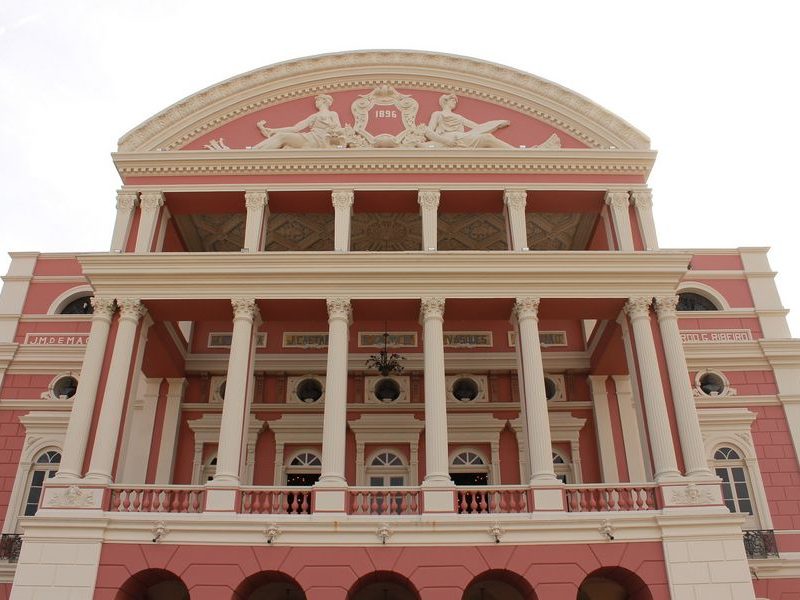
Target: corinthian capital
{"points": [[515, 199], [339, 308], [152, 200], [666, 306], [526, 307], [432, 308], [255, 200], [642, 198], [131, 308], [342, 198], [126, 199], [617, 200], [428, 199], [638, 307], [102, 307], [244, 308]]}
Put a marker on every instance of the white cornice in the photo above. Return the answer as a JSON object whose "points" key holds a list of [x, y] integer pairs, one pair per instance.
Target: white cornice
{"points": [[532, 188], [525, 93], [380, 275]]}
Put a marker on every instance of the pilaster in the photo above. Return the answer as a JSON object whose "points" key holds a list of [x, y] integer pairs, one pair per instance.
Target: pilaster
{"points": [[428, 201], [150, 209], [126, 205], [618, 203], [605, 433], [643, 203], [515, 201], [256, 203], [342, 201]]}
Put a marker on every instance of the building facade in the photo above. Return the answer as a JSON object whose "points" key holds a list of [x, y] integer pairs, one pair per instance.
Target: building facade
{"points": [[395, 326]]}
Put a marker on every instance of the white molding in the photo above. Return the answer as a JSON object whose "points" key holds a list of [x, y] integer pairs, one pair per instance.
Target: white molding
{"points": [[206, 431], [295, 380], [403, 381], [563, 428], [300, 429], [704, 290], [68, 296], [387, 429]]}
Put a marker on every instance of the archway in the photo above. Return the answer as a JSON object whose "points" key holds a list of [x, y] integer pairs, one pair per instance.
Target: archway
{"points": [[499, 584], [383, 585], [613, 583], [153, 584], [269, 585]]}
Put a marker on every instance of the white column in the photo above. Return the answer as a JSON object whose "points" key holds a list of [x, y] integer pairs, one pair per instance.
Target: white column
{"points": [[135, 454], [692, 446], [169, 431], [437, 467], [131, 310], [631, 435], [342, 201], [604, 430], [334, 424], [540, 445], [619, 202], [515, 201], [240, 371], [643, 203], [80, 420], [664, 463], [126, 204], [428, 201], [256, 223], [149, 211]]}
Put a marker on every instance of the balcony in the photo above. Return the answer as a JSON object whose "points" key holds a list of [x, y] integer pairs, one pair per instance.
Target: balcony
{"points": [[760, 543], [10, 545]]}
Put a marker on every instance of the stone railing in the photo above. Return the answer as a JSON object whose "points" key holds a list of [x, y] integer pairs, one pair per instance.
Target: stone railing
{"points": [[156, 499], [384, 501], [610, 499], [275, 501], [490, 499], [760, 543], [10, 545]]}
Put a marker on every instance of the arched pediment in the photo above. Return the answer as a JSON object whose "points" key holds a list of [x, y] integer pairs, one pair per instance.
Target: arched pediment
{"points": [[283, 94]]}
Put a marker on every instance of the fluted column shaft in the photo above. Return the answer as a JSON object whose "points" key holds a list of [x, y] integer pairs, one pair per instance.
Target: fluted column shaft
{"points": [[619, 203], [334, 423], [437, 468], [682, 398], [342, 201], [428, 201], [126, 205], [80, 420], [234, 405], [515, 201], [108, 425], [665, 464], [150, 209], [255, 225], [540, 446]]}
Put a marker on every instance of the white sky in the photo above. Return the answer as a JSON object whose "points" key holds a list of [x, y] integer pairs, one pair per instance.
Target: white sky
{"points": [[714, 84]]}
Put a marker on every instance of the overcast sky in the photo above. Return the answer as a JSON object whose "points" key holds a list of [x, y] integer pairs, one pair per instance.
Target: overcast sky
{"points": [[714, 85]]}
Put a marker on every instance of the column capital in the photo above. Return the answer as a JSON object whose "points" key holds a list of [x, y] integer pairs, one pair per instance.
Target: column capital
{"points": [[638, 307], [152, 200], [131, 308], [515, 198], [526, 307], [342, 198], [432, 308], [244, 308], [127, 199], [255, 200], [642, 198], [618, 200], [339, 308], [103, 307], [428, 199], [666, 306]]}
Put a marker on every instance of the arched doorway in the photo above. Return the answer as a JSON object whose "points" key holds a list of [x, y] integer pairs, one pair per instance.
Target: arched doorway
{"points": [[613, 583], [153, 584], [269, 585], [383, 585], [499, 584]]}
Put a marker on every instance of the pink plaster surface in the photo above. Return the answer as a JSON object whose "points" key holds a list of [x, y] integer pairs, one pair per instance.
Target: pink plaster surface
{"points": [[25, 387], [48, 265], [41, 295], [717, 262], [553, 571], [777, 589], [735, 291], [748, 383], [685, 321], [12, 436]]}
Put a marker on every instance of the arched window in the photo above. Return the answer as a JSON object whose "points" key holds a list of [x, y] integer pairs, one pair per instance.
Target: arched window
{"points": [[79, 306], [387, 468], [736, 492], [467, 467], [690, 301], [210, 469], [562, 468], [45, 466], [303, 469]]}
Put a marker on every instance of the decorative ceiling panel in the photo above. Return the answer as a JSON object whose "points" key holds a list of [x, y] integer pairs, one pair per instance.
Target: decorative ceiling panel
{"points": [[386, 232], [559, 231], [472, 231], [299, 232]]}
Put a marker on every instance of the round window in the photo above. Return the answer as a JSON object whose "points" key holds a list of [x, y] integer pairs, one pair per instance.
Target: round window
{"points": [[550, 388], [465, 389], [309, 390], [387, 390], [65, 387], [712, 384]]}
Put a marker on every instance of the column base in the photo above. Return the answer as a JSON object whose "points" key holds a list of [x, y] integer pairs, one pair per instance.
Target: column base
{"points": [[98, 479]]}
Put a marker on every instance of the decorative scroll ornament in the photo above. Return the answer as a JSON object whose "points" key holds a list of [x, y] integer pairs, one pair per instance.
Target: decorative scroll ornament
{"points": [[159, 531], [131, 308], [496, 532], [103, 307], [73, 496], [272, 532], [691, 494], [638, 307], [384, 532], [526, 308], [666, 305], [432, 308]]}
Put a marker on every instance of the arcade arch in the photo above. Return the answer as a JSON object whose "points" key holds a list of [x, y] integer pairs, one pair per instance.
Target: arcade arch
{"points": [[269, 585], [153, 584], [613, 583], [383, 585], [499, 584]]}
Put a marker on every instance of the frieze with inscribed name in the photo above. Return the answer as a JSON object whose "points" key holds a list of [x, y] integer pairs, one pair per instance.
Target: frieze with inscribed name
{"points": [[309, 339], [546, 338], [56, 339], [716, 335], [468, 339], [398, 339]]}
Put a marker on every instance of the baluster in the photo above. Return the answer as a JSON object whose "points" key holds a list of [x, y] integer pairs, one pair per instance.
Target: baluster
{"points": [[583, 496], [400, 502], [295, 503], [196, 501], [592, 500], [602, 502], [638, 502], [386, 507], [364, 495], [373, 507], [115, 500], [622, 498], [176, 501], [473, 503], [354, 503], [649, 499], [503, 503], [126, 502], [414, 504], [184, 501], [284, 501], [306, 505]]}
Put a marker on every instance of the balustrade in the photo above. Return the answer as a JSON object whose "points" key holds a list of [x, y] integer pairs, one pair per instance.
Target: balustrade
{"points": [[10, 545], [492, 500], [156, 499], [611, 499], [760, 543], [384, 501], [288, 501]]}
